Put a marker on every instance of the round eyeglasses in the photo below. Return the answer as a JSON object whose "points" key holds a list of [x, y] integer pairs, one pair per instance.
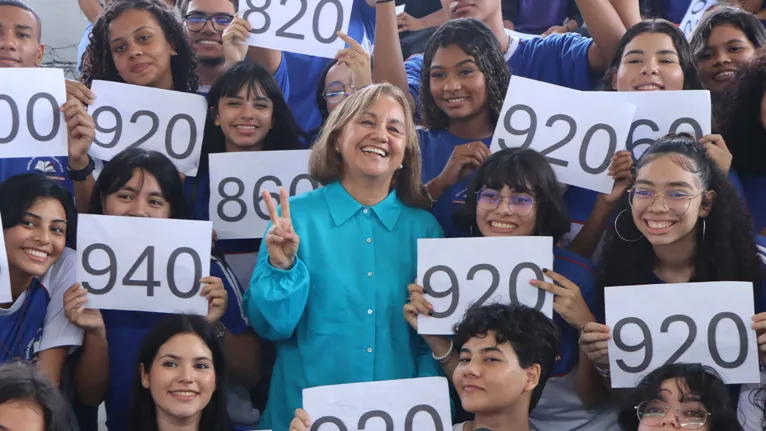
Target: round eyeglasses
{"points": [[675, 202], [490, 200], [196, 22], [653, 413]]}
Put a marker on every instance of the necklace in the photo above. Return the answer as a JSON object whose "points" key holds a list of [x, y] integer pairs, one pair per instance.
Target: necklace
{"points": [[24, 309]]}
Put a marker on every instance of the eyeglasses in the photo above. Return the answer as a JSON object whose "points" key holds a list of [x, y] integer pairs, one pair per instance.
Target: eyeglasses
{"points": [[676, 202], [692, 417], [489, 200], [336, 92], [196, 22]]}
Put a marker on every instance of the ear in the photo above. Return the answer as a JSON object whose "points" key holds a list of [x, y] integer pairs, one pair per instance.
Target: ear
{"points": [[40, 55], [144, 376], [532, 377], [708, 199], [216, 117]]}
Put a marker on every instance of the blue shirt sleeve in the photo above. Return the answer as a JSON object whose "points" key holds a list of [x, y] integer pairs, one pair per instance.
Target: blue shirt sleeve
{"points": [[367, 15], [283, 80], [234, 317], [413, 66], [559, 59]]}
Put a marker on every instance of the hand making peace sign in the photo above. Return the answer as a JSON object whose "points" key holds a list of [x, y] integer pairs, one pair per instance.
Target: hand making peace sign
{"points": [[281, 241]]}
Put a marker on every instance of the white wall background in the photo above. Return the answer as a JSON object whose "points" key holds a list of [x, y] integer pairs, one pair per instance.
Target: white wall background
{"points": [[63, 24]]}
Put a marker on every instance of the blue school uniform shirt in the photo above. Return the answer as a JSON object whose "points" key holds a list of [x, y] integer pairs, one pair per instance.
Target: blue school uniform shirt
{"points": [[560, 408], [755, 196], [125, 330], [305, 70], [21, 326], [675, 10], [54, 167], [436, 148], [336, 315], [559, 59]]}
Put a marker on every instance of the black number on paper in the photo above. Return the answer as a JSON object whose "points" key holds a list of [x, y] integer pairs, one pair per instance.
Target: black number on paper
{"points": [[282, 31], [151, 133], [257, 198], [31, 126], [409, 419]]}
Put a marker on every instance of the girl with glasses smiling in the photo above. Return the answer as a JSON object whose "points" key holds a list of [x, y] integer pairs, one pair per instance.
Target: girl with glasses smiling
{"points": [[515, 193]]}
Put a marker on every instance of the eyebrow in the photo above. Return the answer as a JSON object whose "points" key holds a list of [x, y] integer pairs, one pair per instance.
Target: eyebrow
{"points": [[133, 190], [466, 61], [374, 115], [661, 52], [488, 349], [134, 32], [670, 184], [35, 216], [178, 358]]}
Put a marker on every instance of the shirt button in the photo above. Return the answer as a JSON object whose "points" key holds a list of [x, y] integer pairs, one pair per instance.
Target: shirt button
{"points": [[369, 274], [369, 350], [369, 311], [369, 240], [366, 210]]}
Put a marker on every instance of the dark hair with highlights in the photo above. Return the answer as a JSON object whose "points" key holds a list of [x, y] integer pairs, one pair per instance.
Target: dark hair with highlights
{"points": [[99, 64], [19, 192], [685, 58], [727, 15], [739, 118], [726, 251], [21, 382], [533, 336], [696, 381], [525, 171], [475, 39], [144, 412]]}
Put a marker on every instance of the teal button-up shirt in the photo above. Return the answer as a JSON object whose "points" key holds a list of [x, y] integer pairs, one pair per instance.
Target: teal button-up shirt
{"points": [[336, 315]]}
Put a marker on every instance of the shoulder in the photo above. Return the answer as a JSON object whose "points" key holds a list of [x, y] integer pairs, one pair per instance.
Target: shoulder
{"points": [[572, 266], [555, 45], [61, 275], [414, 61], [423, 222]]}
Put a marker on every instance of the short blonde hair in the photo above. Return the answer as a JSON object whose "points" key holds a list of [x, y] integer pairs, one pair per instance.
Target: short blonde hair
{"points": [[326, 166]]}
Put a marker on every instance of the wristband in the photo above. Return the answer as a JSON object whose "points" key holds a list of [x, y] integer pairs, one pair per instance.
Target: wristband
{"points": [[446, 355], [82, 174], [383, 1]]}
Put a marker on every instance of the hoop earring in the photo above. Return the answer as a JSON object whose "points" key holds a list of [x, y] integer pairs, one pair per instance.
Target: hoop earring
{"points": [[704, 226], [618, 232]]}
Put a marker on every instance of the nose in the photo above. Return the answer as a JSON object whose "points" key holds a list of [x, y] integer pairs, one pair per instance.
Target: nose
{"points": [[7, 41], [671, 419], [208, 27], [452, 84], [134, 50], [248, 111], [504, 207], [721, 58], [42, 235], [379, 133], [650, 67], [185, 374], [138, 208]]}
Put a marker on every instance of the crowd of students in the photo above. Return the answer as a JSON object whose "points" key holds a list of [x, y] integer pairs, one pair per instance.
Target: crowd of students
{"points": [[401, 149]]}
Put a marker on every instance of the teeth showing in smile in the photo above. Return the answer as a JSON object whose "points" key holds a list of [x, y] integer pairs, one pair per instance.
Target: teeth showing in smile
{"points": [[245, 127], [724, 75], [456, 99], [659, 224], [208, 42], [374, 150], [36, 253], [184, 394], [502, 225], [649, 87]]}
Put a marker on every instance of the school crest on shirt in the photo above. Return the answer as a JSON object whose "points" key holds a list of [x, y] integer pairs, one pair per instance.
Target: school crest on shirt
{"points": [[50, 166], [33, 347], [460, 196]]}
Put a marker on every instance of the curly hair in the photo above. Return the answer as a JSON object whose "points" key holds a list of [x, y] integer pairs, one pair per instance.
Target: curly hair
{"points": [[477, 40], [533, 336], [738, 118], [727, 15], [726, 251], [525, 171], [691, 379], [99, 64], [660, 26]]}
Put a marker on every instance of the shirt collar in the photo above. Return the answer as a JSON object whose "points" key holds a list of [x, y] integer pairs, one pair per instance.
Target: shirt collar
{"points": [[343, 206]]}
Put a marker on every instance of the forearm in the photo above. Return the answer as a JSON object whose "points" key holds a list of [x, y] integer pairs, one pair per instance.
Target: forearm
{"points": [[91, 8], [390, 67], [435, 19], [752, 6], [436, 188], [606, 27], [243, 357], [270, 59], [629, 11], [50, 362], [587, 240], [589, 384], [91, 372], [440, 346]]}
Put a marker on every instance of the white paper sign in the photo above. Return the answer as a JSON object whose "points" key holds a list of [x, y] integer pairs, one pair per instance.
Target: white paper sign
{"points": [[407, 405], [31, 124], [661, 112], [5, 279], [143, 264], [708, 323], [171, 122], [461, 272], [237, 208], [303, 26], [400, 9], [575, 131], [696, 10]]}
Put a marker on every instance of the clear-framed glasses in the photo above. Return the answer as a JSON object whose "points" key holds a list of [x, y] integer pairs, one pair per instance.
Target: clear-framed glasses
{"points": [[519, 204], [196, 22], [676, 202], [691, 416], [336, 92]]}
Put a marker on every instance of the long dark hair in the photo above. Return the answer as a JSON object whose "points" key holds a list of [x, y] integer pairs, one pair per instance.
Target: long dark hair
{"points": [[144, 413], [285, 133], [476, 40], [739, 118], [525, 171], [726, 251], [99, 64], [319, 95], [21, 382], [699, 380], [727, 15], [19, 192], [685, 57], [120, 170]]}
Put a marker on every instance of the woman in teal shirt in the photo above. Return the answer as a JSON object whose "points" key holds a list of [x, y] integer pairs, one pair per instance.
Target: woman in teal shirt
{"points": [[334, 266]]}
